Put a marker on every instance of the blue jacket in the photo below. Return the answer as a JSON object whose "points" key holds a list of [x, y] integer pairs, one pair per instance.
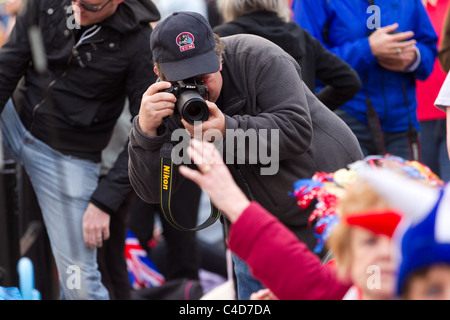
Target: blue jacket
{"points": [[349, 24]]}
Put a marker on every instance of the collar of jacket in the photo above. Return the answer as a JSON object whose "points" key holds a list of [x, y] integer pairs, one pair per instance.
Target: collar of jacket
{"points": [[290, 36], [131, 15]]}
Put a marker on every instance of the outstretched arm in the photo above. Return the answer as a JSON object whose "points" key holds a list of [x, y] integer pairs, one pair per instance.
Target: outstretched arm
{"points": [[261, 240]]}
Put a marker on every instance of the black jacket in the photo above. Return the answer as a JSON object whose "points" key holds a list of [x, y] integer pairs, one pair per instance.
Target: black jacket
{"points": [[73, 107], [316, 62]]}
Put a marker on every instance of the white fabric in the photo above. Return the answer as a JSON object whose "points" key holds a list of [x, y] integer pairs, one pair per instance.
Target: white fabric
{"points": [[167, 7], [443, 98], [414, 199], [442, 224]]}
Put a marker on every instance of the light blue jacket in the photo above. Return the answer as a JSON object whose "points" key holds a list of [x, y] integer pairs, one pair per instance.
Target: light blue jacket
{"points": [[349, 24]]}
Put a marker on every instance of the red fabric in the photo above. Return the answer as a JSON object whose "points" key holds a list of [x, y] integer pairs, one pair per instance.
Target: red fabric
{"points": [[427, 91], [381, 221], [280, 261]]}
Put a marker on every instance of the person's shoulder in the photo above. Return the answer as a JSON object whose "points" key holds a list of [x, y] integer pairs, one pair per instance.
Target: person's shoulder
{"points": [[254, 47], [248, 40], [50, 4], [228, 29], [251, 44]]}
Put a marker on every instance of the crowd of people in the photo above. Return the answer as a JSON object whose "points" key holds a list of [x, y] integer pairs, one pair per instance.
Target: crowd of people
{"points": [[320, 130]]}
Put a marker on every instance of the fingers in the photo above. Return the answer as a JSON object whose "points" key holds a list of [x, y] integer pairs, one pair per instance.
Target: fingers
{"points": [[213, 108], [204, 155], [395, 36], [99, 240], [191, 174], [402, 36], [389, 28], [105, 233], [157, 86], [95, 227], [199, 156], [406, 44], [154, 95], [208, 151], [155, 106], [93, 239], [210, 130]]}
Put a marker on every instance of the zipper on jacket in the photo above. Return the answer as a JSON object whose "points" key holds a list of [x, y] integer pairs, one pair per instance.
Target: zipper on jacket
{"points": [[244, 179], [94, 30], [47, 92]]}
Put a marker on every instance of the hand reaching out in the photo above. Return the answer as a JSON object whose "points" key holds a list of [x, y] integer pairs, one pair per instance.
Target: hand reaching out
{"points": [[215, 179]]}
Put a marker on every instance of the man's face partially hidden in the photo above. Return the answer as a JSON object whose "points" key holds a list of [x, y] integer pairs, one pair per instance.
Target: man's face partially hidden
{"points": [[214, 83], [87, 17]]}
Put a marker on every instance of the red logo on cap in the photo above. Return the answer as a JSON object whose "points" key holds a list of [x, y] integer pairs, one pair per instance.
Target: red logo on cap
{"points": [[185, 41]]}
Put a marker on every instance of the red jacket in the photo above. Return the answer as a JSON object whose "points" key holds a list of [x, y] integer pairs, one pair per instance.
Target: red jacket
{"points": [[280, 261], [428, 90]]}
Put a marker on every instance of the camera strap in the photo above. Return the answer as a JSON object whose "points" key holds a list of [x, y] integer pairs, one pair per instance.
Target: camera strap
{"points": [[166, 192], [413, 134], [374, 123]]}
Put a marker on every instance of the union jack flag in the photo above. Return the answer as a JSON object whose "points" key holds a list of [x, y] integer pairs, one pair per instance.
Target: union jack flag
{"points": [[141, 270]]}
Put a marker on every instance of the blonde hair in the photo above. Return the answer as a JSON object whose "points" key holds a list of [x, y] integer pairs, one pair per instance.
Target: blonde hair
{"points": [[232, 9], [359, 197]]}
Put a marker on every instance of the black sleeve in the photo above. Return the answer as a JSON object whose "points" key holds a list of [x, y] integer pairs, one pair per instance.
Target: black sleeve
{"points": [[115, 186], [15, 54], [340, 79]]}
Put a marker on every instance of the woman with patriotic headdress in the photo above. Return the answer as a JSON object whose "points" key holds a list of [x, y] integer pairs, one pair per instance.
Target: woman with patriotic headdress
{"points": [[422, 239], [361, 239]]}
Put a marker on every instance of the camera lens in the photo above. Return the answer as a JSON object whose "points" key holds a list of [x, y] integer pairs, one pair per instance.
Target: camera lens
{"points": [[192, 107]]}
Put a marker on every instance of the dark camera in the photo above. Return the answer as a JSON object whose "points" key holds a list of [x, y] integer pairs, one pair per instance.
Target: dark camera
{"points": [[191, 95]]}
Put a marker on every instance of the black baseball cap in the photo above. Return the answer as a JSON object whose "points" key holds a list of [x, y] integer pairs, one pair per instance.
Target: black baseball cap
{"points": [[183, 44]]}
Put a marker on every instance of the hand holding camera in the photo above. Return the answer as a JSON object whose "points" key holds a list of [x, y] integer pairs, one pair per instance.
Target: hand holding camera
{"points": [[155, 106], [187, 98], [191, 95]]}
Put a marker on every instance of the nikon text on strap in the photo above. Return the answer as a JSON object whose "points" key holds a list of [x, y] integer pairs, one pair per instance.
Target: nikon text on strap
{"points": [[166, 192]]}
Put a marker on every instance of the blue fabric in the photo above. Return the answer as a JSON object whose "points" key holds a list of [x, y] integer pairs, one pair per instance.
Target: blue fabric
{"points": [[420, 248], [397, 143], [11, 293], [433, 136], [246, 284], [63, 186], [350, 22]]}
